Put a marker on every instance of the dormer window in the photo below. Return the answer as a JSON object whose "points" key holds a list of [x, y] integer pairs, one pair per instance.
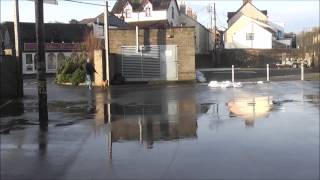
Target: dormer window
{"points": [[127, 13], [172, 12], [148, 11]]}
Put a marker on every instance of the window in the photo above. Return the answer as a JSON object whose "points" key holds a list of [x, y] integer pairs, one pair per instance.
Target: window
{"points": [[61, 56], [29, 62], [148, 11], [250, 36], [127, 13], [29, 59], [52, 62], [172, 12]]}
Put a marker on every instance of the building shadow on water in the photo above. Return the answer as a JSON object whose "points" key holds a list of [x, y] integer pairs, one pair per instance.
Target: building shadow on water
{"points": [[147, 124]]}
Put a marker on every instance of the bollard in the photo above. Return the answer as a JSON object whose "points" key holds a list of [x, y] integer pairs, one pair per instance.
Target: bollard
{"points": [[232, 73], [302, 71], [268, 73]]}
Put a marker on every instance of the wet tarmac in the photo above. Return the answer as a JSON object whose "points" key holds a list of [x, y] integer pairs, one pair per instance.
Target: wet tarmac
{"points": [[265, 131]]}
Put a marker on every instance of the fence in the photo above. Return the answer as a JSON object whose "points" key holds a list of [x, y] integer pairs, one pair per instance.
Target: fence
{"points": [[257, 58], [236, 73], [8, 77]]}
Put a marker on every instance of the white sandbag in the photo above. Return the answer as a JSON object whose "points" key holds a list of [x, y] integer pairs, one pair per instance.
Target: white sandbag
{"points": [[224, 84], [237, 85], [260, 82], [200, 77], [214, 84]]}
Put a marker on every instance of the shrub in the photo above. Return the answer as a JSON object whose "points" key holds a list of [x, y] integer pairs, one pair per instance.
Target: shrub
{"points": [[78, 77], [71, 69]]}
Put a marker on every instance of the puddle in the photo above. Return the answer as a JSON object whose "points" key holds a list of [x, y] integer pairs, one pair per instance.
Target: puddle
{"points": [[64, 124], [12, 108], [169, 133], [15, 124], [251, 109], [147, 123], [314, 99]]}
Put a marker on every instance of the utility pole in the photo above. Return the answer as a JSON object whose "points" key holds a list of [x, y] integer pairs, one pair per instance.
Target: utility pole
{"points": [[214, 34], [18, 49], [210, 26], [215, 26], [106, 42], [41, 66]]}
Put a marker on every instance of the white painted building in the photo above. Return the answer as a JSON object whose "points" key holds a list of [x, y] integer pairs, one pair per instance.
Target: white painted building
{"points": [[248, 33], [158, 11], [55, 52], [249, 27]]}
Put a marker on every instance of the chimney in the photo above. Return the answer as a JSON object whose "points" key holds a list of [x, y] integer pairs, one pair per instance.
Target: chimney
{"points": [[183, 8], [245, 1]]}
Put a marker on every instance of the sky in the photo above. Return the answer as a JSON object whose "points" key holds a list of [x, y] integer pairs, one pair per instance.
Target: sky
{"points": [[297, 15]]}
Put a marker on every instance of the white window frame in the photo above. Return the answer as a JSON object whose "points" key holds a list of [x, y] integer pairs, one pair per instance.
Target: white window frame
{"points": [[148, 11], [128, 13]]}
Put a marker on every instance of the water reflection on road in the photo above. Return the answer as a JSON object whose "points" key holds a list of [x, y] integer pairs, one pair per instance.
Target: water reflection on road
{"points": [[251, 109], [171, 132]]}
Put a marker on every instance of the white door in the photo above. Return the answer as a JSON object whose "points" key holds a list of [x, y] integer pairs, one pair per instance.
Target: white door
{"points": [[170, 54], [28, 63]]}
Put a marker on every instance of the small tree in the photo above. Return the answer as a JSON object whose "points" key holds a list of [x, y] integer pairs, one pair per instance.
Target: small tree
{"points": [[90, 44]]}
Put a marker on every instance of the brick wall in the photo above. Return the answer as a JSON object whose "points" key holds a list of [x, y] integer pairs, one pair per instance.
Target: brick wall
{"points": [[98, 57], [183, 37]]}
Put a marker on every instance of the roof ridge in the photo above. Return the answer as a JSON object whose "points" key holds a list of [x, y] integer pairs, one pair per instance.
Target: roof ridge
{"points": [[243, 6]]}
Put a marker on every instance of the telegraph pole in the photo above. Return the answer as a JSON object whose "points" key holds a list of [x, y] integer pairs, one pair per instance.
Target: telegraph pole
{"points": [[214, 34], [210, 26], [18, 49], [215, 26], [41, 66], [106, 41]]}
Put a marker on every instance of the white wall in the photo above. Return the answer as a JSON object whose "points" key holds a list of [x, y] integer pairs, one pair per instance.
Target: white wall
{"points": [[155, 15], [262, 38], [141, 16], [32, 69], [287, 42]]}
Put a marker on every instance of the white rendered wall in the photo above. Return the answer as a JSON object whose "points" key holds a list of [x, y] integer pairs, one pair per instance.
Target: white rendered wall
{"points": [[141, 16], [262, 38]]}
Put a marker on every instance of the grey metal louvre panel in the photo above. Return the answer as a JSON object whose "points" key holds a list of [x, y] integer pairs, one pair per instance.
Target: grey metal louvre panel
{"points": [[151, 62], [131, 63], [141, 66]]}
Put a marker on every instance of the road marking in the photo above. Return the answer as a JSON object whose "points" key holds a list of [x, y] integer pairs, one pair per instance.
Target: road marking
{"points": [[6, 103]]}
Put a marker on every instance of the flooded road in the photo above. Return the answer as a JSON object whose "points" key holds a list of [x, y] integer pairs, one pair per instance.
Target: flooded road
{"points": [[266, 131]]}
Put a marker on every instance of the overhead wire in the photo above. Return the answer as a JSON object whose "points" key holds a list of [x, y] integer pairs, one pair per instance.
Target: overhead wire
{"points": [[82, 2]]}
